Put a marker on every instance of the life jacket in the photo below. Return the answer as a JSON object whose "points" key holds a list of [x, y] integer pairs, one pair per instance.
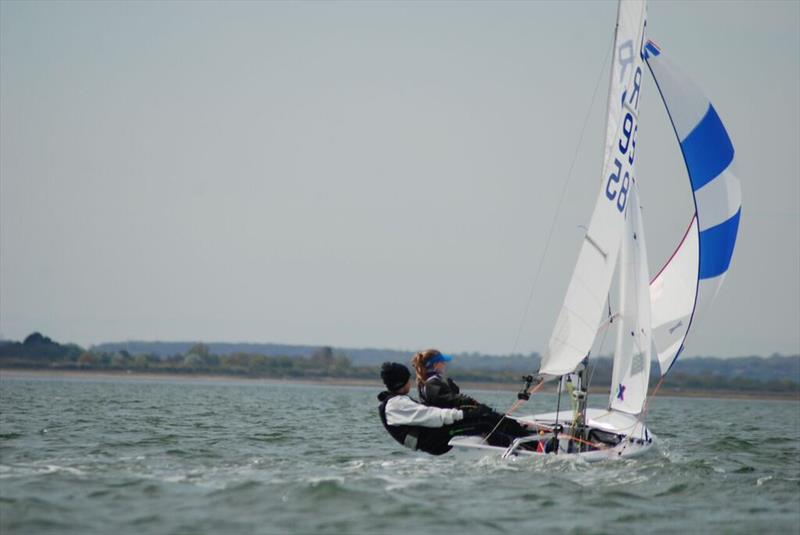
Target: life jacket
{"points": [[406, 435], [440, 392]]}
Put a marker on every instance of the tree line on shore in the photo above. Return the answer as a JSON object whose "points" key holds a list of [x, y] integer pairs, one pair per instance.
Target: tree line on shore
{"points": [[38, 351]]}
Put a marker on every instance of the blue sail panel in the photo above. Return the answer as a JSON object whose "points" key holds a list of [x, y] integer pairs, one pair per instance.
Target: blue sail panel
{"points": [[716, 247], [687, 285], [708, 150]]}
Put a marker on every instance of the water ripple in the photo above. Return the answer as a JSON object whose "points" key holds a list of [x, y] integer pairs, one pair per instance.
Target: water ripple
{"points": [[210, 458]]}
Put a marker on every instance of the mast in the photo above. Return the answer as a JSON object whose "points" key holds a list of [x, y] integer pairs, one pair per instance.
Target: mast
{"points": [[631, 372], [581, 313]]}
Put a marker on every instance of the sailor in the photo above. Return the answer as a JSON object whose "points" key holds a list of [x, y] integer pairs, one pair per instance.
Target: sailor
{"points": [[433, 388], [429, 429], [418, 426], [437, 391]]}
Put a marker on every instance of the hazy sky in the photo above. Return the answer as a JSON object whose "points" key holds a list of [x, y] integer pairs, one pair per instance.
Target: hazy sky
{"points": [[365, 174]]}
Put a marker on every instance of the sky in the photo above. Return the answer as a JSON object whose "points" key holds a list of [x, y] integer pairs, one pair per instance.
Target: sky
{"points": [[367, 174]]}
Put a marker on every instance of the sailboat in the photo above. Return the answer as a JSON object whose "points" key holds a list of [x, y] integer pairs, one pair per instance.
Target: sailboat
{"points": [[654, 316]]}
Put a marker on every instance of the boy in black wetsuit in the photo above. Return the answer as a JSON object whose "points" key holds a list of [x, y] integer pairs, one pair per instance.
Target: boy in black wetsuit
{"points": [[426, 428]]}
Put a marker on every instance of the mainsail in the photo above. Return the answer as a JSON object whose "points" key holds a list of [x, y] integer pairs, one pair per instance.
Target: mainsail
{"points": [[631, 372], [580, 316], [652, 314], [687, 285]]}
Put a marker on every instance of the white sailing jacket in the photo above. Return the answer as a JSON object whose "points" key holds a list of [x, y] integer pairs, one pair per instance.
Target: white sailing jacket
{"points": [[402, 410]]}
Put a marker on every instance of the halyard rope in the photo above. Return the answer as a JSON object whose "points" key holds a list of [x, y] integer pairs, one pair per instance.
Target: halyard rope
{"points": [[515, 406], [644, 412], [562, 196], [560, 202]]}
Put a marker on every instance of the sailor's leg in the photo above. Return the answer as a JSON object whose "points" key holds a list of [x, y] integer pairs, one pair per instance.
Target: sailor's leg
{"points": [[513, 428], [435, 440], [485, 427]]}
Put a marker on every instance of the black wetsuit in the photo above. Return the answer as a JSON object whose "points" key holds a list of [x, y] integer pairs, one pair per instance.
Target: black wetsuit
{"points": [[441, 392], [434, 440]]}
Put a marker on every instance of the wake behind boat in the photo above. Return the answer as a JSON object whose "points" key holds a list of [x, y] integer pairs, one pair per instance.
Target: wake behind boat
{"points": [[652, 315]]}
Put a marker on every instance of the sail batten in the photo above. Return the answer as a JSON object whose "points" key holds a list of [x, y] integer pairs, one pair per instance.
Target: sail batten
{"points": [[584, 302], [655, 315], [631, 372]]}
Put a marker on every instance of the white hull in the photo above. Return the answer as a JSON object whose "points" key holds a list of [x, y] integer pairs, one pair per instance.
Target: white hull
{"points": [[634, 438]]}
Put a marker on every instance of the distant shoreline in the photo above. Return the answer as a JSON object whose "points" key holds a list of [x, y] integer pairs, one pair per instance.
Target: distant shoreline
{"points": [[338, 381]]}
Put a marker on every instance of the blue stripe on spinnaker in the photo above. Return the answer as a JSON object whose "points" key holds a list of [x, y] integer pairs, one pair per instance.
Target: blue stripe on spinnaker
{"points": [[652, 48], [707, 150], [716, 247]]}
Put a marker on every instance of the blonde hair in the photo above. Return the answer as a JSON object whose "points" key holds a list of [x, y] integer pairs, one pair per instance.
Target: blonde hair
{"points": [[420, 364]]}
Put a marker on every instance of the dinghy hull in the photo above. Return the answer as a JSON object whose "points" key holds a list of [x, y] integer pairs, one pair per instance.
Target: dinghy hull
{"points": [[608, 435]]}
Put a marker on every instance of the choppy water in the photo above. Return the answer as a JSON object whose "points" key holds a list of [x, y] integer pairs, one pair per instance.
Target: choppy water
{"points": [[137, 456]]}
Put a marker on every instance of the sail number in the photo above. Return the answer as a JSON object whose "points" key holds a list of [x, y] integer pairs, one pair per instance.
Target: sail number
{"points": [[618, 181], [620, 190]]}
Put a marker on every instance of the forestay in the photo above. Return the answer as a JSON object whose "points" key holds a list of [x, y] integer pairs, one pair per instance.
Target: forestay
{"points": [[580, 316], [631, 372], [688, 283]]}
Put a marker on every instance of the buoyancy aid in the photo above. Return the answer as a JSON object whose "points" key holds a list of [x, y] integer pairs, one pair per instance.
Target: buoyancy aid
{"points": [[406, 435], [438, 392]]}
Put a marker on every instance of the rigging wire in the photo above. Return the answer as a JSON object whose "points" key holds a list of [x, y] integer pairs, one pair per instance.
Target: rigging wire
{"points": [[607, 324], [605, 327], [558, 410], [535, 281], [515, 406], [644, 413], [561, 199]]}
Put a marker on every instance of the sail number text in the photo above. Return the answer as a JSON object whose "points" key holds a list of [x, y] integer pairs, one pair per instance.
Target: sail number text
{"points": [[619, 182]]}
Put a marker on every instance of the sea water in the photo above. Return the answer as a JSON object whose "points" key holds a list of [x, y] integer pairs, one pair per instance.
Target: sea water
{"points": [[117, 456]]}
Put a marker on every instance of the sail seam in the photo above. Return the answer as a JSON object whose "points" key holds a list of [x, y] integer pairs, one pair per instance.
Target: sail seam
{"points": [[694, 199]]}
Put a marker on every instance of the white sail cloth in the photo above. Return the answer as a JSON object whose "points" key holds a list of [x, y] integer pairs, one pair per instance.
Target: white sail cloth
{"points": [[631, 372], [581, 313], [689, 281]]}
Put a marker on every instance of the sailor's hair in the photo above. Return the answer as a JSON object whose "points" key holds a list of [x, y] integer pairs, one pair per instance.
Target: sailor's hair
{"points": [[420, 364]]}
